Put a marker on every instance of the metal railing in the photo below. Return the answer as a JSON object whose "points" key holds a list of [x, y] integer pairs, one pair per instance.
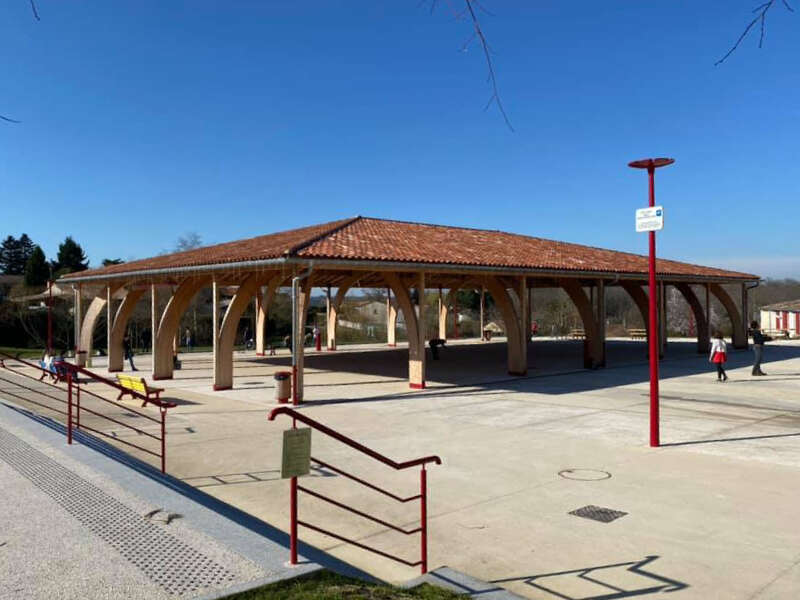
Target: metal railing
{"points": [[72, 407], [422, 530]]}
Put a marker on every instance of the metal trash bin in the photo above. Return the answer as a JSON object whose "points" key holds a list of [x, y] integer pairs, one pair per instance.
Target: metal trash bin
{"points": [[283, 386], [80, 358]]}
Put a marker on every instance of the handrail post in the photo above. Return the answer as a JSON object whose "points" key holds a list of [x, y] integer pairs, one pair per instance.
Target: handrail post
{"points": [[163, 439], [423, 518], [69, 408], [293, 522], [78, 408]]}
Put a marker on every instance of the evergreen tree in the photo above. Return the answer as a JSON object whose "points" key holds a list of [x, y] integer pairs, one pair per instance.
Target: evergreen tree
{"points": [[71, 257], [8, 250], [26, 247], [107, 262], [14, 253], [37, 270]]}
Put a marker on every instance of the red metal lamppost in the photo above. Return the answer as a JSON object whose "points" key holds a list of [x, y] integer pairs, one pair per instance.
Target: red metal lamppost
{"points": [[651, 164]]}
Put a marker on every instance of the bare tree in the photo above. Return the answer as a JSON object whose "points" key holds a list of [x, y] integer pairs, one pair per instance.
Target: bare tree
{"points": [[189, 241], [761, 20]]}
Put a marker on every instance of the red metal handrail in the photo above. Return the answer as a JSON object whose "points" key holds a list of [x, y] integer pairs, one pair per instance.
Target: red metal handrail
{"points": [[284, 410], [362, 482], [422, 496], [74, 391]]}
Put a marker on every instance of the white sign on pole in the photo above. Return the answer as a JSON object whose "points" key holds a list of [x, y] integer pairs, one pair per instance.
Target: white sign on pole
{"points": [[650, 219]]}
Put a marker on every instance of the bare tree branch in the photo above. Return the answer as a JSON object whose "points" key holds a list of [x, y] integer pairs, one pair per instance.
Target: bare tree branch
{"points": [[36, 16], [477, 33], [495, 97], [761, 19]]}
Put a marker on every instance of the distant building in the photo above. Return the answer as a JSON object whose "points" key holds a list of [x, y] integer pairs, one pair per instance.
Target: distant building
{"points": [[782, 318], [371, 311]]}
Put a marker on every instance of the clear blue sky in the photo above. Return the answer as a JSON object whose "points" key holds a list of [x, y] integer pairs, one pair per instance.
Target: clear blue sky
{"points": [[144, 120]]}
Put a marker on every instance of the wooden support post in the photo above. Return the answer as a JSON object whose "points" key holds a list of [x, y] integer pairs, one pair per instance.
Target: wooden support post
{"points": [[109, 324], [601, 319], [329, 340], [215, 326], [78, 317], [153, 322], [261, 321], [391, 320], [442, 316], [483, 304]]}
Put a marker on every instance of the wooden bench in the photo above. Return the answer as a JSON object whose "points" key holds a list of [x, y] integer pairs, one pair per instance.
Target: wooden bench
{"points": [[577, 334], [139, 385], [637, 333]]}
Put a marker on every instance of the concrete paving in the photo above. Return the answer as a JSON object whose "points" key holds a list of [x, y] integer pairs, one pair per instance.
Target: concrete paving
{"points": [[88, 521], [710, 514]]}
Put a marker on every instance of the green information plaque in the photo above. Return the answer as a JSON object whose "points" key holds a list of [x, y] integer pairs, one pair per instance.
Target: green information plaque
{"points": [[296, 452]]}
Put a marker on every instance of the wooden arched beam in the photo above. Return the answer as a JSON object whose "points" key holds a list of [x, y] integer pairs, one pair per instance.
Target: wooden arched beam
{"points": [[640, 299], [594, 345], [739, 330], [223, 349], [391, 320], [336, 304], [512, 321], [703, 333], [170, 322], [264, 301], [90, 319], [416, 335], [123, 314]]}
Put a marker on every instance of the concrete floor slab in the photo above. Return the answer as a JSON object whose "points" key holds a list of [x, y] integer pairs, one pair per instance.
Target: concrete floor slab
{"points": [[710, 514]]}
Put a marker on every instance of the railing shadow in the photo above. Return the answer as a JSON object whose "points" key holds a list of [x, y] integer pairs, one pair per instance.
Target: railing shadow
{"points": [[557, 582]]}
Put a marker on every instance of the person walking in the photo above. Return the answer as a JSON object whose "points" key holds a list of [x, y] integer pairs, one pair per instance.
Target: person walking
{"points": [[128, 351], [187, 335], [719, 356], [758, 347]]}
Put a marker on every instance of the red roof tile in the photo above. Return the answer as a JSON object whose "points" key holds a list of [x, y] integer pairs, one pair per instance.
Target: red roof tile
{"points": [[378, 239], [362, 238]]}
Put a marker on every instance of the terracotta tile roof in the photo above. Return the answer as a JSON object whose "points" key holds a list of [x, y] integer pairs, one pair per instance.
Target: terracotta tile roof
{"points": [[363, 238], [273, 245], [378, 239]]}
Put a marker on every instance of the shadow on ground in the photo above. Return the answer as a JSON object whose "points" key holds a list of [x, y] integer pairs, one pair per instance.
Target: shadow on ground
{"points": [[483, 365], [602, 582]]}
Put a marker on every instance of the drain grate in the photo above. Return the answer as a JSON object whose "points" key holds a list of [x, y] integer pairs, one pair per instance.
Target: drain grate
{"points": [[598, 513], [169, 562]]}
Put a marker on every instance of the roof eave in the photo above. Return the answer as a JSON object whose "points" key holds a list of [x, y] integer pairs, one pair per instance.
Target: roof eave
{"points": [[407, 266], [193, 269]]}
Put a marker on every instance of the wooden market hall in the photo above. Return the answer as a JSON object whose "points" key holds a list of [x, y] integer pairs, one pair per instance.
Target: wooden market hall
{"points": [[363, 252]]}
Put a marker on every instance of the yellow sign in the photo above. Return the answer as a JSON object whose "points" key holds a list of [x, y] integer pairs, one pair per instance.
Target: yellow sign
{"points": [[296, 452]]}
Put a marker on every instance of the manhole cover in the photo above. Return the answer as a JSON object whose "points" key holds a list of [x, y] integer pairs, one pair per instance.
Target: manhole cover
{"points": [[584, 474], [598, 513]]}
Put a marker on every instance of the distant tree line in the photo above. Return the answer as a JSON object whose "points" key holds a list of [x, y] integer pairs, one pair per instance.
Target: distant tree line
{"points": [[21, 256]]}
